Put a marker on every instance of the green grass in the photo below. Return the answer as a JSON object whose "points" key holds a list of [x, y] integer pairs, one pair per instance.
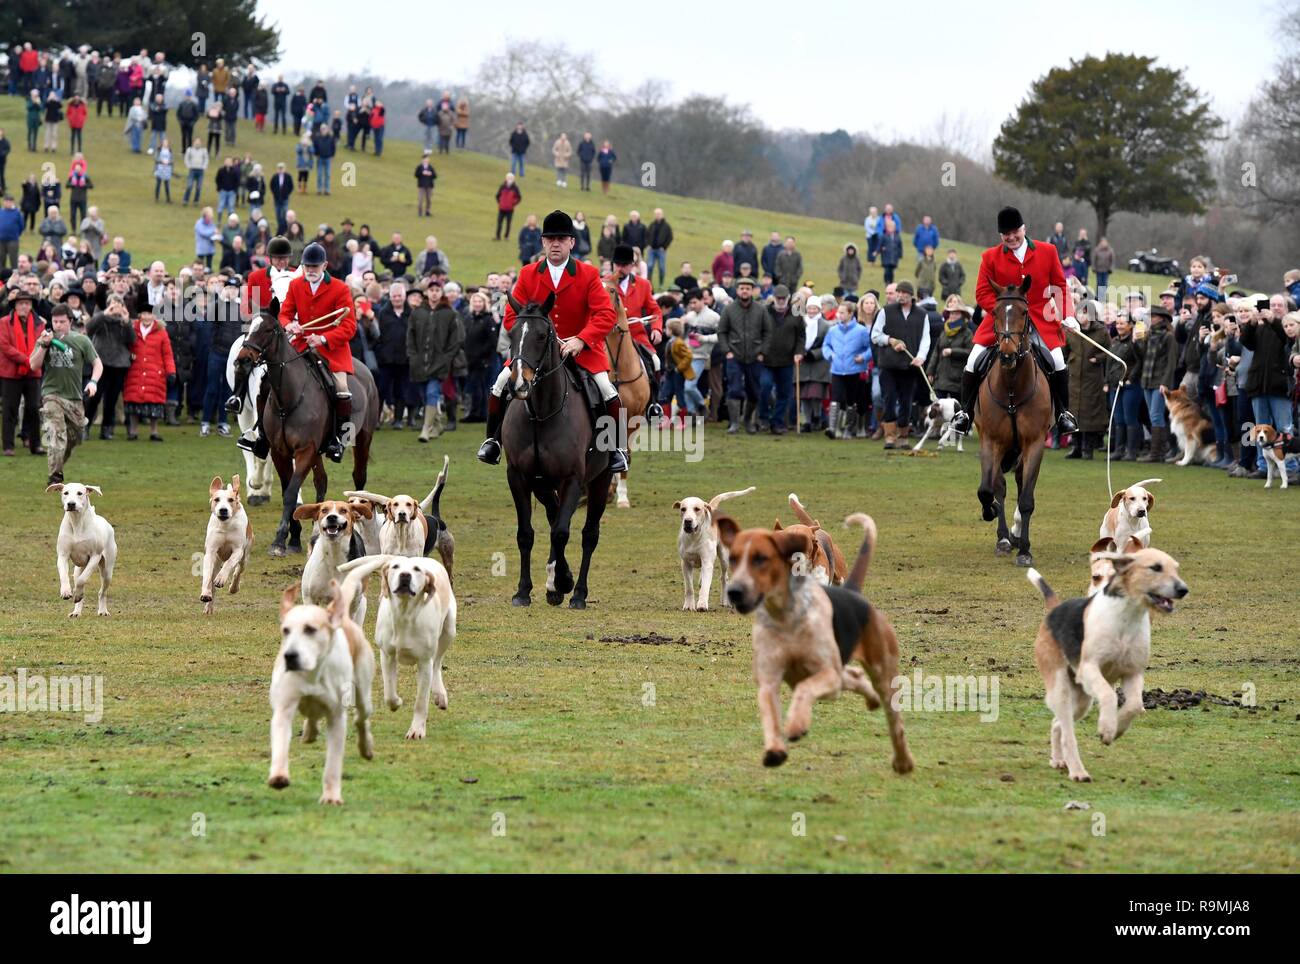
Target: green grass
{"points": [[383, 193], [547, 724], [548, 721]]}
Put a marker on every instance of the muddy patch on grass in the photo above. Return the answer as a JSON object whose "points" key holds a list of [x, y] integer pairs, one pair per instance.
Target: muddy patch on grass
{"points": [[646, 639], [1186, 699]]}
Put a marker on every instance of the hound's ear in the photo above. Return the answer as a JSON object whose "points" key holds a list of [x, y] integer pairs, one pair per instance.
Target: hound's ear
{"points": [[336, 607], [429, 587], [677, 505], [1133, 545], [215, 486], [1103, 545], [1151, 501], [1119, 497], [788, 543], [273, 309], [287, 600], [776, 526], [518, 308], [1026, 284], [56, 487], [1121, 560], [94, 488], [363, 509], [383, 580], [234, 484], [727, 529], [548, 304], [305, 512]]}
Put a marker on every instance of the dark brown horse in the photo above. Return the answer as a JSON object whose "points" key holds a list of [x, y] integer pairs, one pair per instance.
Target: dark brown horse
{"points": [[298, 414], [1013, 415], [547, 435]]}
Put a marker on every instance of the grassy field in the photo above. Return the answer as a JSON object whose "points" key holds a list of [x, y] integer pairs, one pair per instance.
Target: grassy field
{"points": [[599, 755], [382, 192]]}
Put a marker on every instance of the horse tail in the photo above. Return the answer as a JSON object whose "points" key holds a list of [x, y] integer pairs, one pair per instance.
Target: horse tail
{"points": [[430, 503], [1050, 598], [858, 574]]}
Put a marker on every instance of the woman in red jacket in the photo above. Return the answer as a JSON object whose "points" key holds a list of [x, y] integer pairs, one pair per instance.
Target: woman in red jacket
{"points": [[76, 114], [377, 121], [153, 370]]}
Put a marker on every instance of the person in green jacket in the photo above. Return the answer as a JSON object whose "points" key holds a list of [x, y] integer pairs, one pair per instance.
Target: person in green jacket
{"points": [[35, 113], [927, 271]]}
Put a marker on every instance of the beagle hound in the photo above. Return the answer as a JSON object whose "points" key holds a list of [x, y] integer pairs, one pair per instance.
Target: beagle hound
{"points": [[807, 634], [1085, 646], [336, 541], [1129, 514], [324, 666], [825, 562], [1101, 564], [416, 625], [409, 528], [86, 542], [1273, 447], [228, 543], [699, 548]]}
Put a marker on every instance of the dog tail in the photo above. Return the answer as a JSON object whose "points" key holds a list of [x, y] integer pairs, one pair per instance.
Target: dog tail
{"points": [[722, 497], [801, 513], [374, 497], [858, 574], [430, 503], [1145, 482], [1050, 598]]}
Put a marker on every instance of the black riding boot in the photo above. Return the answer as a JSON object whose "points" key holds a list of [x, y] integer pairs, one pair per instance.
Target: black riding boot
{"points": [[618, 457], [970, 387], [1059, 382], [342, 419], [490, 451]]}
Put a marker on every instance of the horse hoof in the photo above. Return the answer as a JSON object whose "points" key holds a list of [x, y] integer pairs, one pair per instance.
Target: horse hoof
{"points": [[520, 600], [990, 512], [258, 499], [1004, 548], [295, 547], [1024, 560], [277, 551], [577, 603], [564, 583], [554, 598]]}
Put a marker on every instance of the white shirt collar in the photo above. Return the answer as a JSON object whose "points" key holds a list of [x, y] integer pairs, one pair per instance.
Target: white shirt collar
{"points": [[1020, 251], [314, 286], [556, 272]]}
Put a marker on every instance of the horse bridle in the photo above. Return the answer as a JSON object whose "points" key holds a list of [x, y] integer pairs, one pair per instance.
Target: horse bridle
{"points": [[255, 356], [539, 372], [1006, 334]]}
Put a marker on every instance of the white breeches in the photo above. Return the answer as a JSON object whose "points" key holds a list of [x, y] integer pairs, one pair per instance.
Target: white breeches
{"points": [[1058, 358], [607, 389]]}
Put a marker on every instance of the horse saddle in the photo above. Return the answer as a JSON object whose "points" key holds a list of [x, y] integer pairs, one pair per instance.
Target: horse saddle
{"points": [[1042, 356], [583, 382], [647, 360]]}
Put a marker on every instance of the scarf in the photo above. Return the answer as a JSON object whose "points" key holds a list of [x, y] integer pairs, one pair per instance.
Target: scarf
{"points": [[24, 338], [810, 327], [951, 328]]}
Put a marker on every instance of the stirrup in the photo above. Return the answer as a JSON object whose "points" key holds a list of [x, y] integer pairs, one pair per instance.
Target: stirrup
{"points": [[1066, 423], [247, 442], [334, 449], [234, 405], [654, 410], [490, 452], [617, 461]]}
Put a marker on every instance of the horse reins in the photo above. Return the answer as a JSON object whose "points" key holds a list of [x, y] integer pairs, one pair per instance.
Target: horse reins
{"points": [[540, 373], [258, 357]]}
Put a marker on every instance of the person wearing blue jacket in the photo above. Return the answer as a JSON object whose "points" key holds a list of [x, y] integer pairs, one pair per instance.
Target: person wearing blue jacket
{"points": [[848, 348], [926, 234], [11, 229]]}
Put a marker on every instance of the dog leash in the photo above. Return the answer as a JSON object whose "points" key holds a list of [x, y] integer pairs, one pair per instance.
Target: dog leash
{"points": [[1113, 402], [921, 369]]}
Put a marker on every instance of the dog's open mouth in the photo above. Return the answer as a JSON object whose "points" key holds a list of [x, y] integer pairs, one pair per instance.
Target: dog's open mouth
{"points": [[1163, 603], [404, 589], [332, 527]]}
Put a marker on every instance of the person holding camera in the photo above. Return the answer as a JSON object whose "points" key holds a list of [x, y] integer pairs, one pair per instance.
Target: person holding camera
{"points": [[113, 336], [1267, 382], [62, 353]]}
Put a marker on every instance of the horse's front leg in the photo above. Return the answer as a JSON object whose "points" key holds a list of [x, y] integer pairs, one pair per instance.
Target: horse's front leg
{"points": [[590, 536], [284, 468], [1026, 482], [989, 465], [559, 577], [523, 497], [1000, 501]]}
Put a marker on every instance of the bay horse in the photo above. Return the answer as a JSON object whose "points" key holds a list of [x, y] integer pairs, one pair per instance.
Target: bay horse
{"points": [[298, 414], [1013, 414], [547, 434], [633, 382]]}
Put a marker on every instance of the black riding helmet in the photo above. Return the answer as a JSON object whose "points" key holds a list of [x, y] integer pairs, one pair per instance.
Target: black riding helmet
{"points": [[279, 247], [313, 254]]}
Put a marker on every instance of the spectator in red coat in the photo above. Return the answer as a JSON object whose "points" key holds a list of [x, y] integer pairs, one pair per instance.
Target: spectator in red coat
{"points": [[508, 198], [724, 262], [377, 121], [76, 114], [153, 370]]}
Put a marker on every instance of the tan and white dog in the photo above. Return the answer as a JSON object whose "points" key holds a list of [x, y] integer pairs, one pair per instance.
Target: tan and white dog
{"points": [[336, 541], [409, 528], [415, 625], [1269, 442], [324, 667], [228, 543], [808, 634], [1085, 646], [1193, 430], [700, 549], [1129, 515], [1101, 561], [86, 542]]}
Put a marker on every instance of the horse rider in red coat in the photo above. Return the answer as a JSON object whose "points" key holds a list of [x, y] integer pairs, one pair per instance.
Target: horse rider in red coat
{"points": [[270, 282], [639, 303], [1009, 263], [582, 315], [312, 297]]}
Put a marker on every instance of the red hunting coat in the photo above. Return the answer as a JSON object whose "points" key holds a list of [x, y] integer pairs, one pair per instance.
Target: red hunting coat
{"points": [[151, 363], [302, 306], [582, 307], [1043, 265], [639, 302], [257, 290]]}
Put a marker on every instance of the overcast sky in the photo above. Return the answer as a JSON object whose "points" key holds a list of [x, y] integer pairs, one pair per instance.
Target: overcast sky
{"points": [[810, 64]]}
